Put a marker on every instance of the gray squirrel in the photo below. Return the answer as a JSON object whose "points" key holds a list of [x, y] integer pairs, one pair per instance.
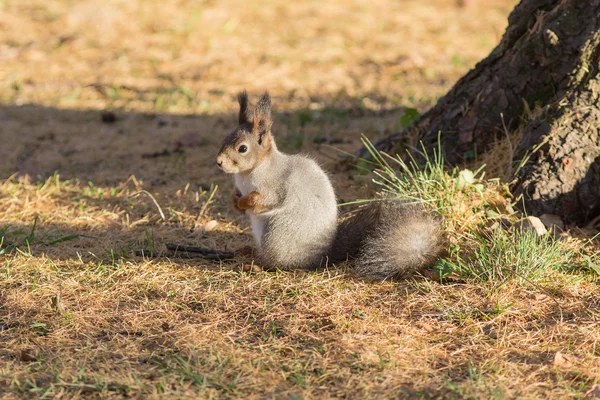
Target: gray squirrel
{"points": [[293, 210]]}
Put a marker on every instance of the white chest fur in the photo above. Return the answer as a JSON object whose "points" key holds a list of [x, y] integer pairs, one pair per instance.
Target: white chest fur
{"points": [[259, 223], [244, 183]]}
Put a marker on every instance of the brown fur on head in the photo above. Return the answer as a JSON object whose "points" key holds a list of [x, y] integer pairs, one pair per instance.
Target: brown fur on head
{"points": [[251, 142]]}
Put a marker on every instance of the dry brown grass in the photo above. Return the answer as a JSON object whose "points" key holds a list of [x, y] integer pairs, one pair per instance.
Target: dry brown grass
{"points": [[98, 322]]}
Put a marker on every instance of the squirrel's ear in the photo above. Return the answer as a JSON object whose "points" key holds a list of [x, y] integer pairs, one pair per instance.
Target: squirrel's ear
{"points": [[261, 124], [245, 114]]}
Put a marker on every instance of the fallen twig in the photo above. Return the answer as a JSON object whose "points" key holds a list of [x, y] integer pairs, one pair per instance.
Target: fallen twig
{"points": [[179, 251]]}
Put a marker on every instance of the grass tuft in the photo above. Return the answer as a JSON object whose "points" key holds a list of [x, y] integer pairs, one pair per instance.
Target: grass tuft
{"points": [[477, 214], [522, 255]]}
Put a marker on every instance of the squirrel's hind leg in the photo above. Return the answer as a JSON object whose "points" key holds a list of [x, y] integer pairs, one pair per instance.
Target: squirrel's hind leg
{"points": [[251, 263]]}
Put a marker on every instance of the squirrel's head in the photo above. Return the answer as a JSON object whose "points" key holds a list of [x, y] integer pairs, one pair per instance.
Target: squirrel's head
{"points": [[251, 142]]}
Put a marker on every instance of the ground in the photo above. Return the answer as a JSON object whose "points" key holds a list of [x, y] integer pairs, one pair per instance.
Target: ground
{"points": [[111, 116]]}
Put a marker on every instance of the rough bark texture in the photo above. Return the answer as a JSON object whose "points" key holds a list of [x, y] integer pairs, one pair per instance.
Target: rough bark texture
{"points": [[563, 176], [549, 57]]}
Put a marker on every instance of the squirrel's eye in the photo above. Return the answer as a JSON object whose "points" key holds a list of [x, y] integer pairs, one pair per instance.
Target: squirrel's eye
{"points": [[243, 148]]}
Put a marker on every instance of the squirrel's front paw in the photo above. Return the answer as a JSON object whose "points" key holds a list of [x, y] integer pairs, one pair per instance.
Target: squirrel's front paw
{"points": [[251, 201]]}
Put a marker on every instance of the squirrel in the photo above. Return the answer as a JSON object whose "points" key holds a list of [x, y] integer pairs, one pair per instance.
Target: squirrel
{"points": [[292, 208]]}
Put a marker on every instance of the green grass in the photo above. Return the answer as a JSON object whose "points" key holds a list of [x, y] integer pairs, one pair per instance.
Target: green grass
{"points": [[428, 182], [522, 255], [483, 246], [21, 241]]}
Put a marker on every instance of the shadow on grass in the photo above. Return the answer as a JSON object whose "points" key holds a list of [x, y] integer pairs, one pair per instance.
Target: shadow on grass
{"points": [[106, 147], [96, 160], [113, 245]]}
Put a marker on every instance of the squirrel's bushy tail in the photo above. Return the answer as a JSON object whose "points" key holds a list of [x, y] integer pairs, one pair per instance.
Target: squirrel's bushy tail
{"points": [[388, 239]]}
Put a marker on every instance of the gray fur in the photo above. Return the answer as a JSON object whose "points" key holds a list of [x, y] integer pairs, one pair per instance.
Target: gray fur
{"points": [[299, 226], [389, 239], [299, 229], [297, 232]]}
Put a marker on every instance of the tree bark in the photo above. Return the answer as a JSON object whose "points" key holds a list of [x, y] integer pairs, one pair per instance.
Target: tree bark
{"points": [[548, 59]]}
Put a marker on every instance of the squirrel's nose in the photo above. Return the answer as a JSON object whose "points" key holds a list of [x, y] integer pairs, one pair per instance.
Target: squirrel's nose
{"points": [[219, 163]]}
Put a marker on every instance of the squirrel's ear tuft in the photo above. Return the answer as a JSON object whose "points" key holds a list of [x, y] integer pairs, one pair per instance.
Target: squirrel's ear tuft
{"points": [[245, 114], [262, 121]]}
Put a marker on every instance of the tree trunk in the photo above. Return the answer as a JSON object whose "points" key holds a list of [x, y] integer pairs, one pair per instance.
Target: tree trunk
{"points": [[548, 59]]}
